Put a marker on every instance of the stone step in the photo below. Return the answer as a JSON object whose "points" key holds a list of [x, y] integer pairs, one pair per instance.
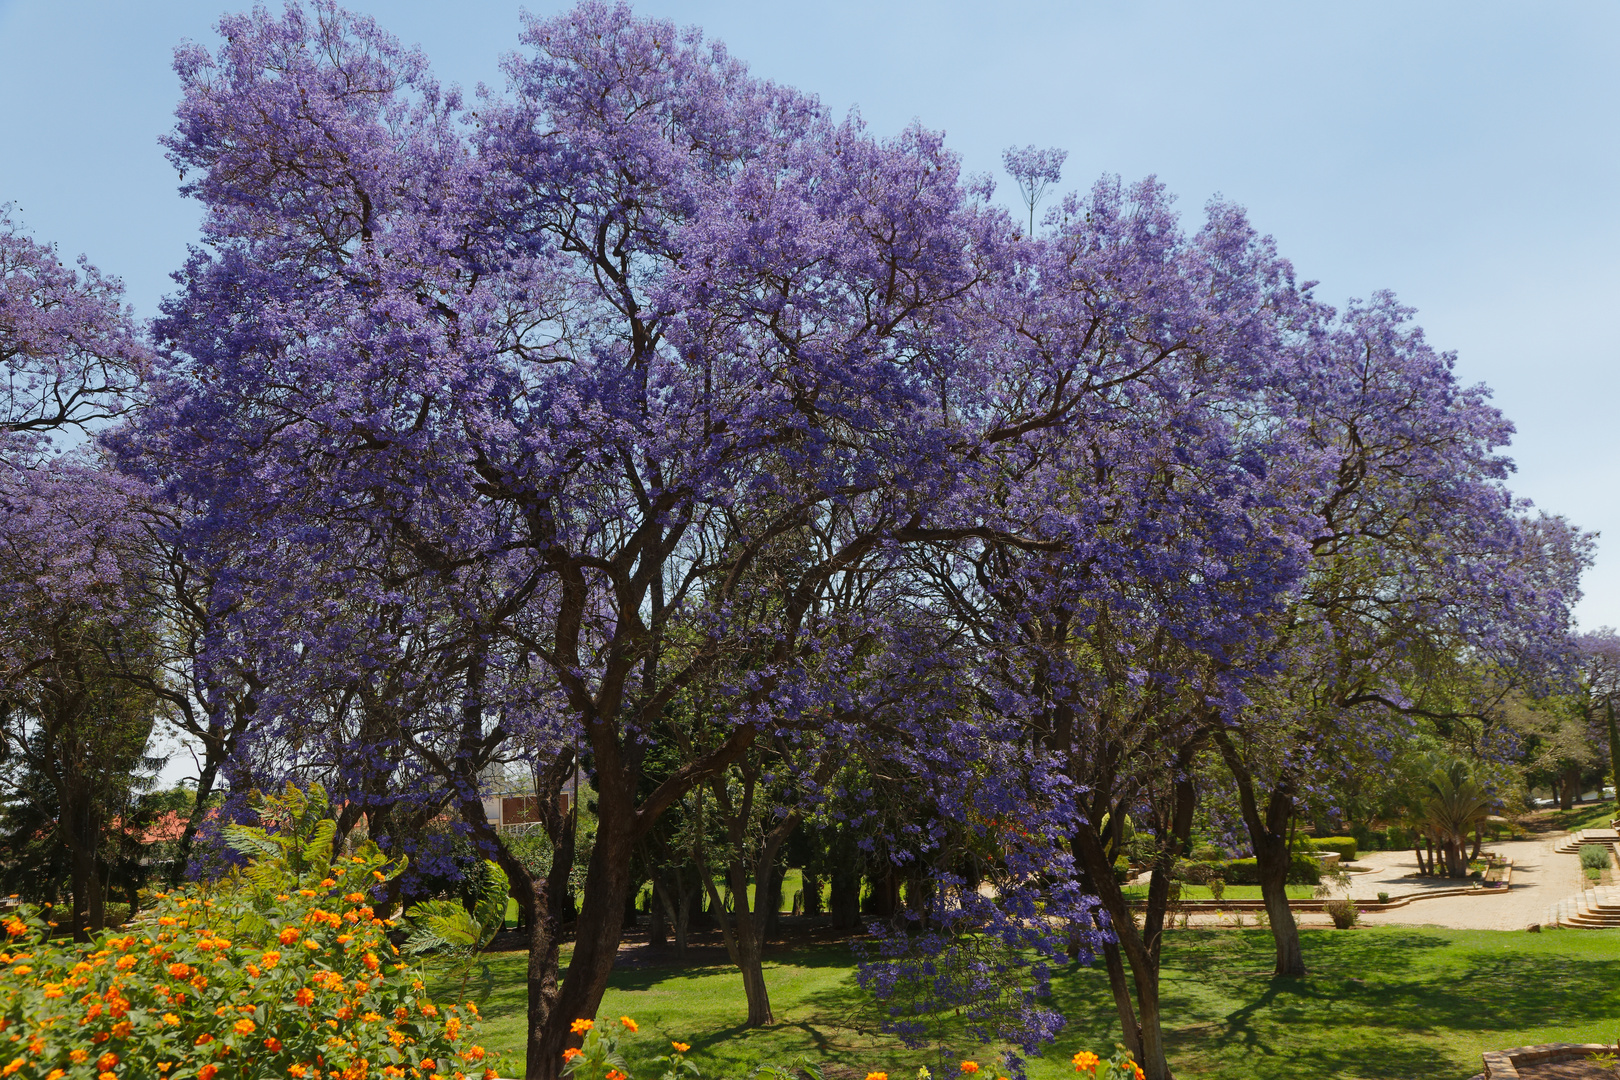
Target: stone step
{"points": [[1594, 909], [1572, 846]]}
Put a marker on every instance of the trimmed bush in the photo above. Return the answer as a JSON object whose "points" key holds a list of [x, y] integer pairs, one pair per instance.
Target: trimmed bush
{"points": [[1344, 913], [1594, 857], [281, 969], [1344, 845]]}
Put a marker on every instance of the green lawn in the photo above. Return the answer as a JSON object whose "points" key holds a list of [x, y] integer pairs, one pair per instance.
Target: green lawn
{"points": [[1592, 815], [1382, 1002], [1233, 892]]}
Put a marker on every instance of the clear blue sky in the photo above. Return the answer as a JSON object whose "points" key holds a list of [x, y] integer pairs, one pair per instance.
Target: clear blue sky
{"points": [[1463, 154]]}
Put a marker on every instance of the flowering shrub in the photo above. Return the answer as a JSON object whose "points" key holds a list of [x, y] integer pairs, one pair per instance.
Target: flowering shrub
{"points": [[280, 970], [598, 1057], [1118, 1067]]}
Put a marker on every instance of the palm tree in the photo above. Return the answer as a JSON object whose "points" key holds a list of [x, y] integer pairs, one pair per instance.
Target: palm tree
{"points": [[1453, 807]]}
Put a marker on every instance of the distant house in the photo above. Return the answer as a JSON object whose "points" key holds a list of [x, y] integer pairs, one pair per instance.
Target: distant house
{"points": [[510, 802]]}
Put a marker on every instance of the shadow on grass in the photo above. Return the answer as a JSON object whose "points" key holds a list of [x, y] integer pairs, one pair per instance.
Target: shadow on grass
{"points": [[1379, 1003]]}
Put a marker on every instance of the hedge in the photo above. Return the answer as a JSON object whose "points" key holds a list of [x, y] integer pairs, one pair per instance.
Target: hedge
{"points": [[1344, 845]]}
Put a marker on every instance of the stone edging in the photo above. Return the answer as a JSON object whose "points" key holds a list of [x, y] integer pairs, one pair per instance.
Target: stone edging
{"points": [[1504, 1064]]}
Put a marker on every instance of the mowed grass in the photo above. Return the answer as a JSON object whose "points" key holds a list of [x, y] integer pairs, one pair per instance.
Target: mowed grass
{"points": [[1381, 1003], [1233, 892]]}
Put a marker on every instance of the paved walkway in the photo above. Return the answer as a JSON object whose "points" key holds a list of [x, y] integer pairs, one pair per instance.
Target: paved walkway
{"points": [[1541, 877]]}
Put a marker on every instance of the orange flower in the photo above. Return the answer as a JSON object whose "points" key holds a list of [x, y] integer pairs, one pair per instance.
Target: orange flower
{"points": [[680, 1047], [78, 1056], [106, 1061], [1085, 1061], [305, 996], [270, 959], [208, 1072], [244, 1026], [970, 1066], [273, 1045], [370, 960], [615, 1074], [580, 1027], [877, 1076], [1140, 1075], [179, 971], [289, 935], [629, 1024], [571, 1053]]}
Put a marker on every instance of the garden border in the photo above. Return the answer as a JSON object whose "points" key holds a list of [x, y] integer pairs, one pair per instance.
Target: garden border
{"points": [[1504, 1064]]}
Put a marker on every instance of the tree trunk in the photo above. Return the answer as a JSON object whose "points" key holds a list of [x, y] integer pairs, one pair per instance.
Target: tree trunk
{"points": [[846, 899], [597, 933], [658, 916], [205, 788], [89, 911], [741, 930], [1614, 751], [1269, 836], [1150, 1053], [812, 894]]}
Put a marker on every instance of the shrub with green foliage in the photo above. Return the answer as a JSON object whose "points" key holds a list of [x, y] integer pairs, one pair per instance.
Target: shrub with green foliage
{"points": [[1344, 845], [280, 969], [1344, 913], [1594, 857]]}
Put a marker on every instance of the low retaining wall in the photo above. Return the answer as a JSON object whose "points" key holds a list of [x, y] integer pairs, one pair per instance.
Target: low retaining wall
{"points": [[1504, 1064]]}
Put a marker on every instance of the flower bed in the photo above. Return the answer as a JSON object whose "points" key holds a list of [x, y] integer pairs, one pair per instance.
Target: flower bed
{"points": [[280, 970]]}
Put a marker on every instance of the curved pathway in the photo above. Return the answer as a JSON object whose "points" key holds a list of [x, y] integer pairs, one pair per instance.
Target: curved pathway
{"points": [[1541, 878]]}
